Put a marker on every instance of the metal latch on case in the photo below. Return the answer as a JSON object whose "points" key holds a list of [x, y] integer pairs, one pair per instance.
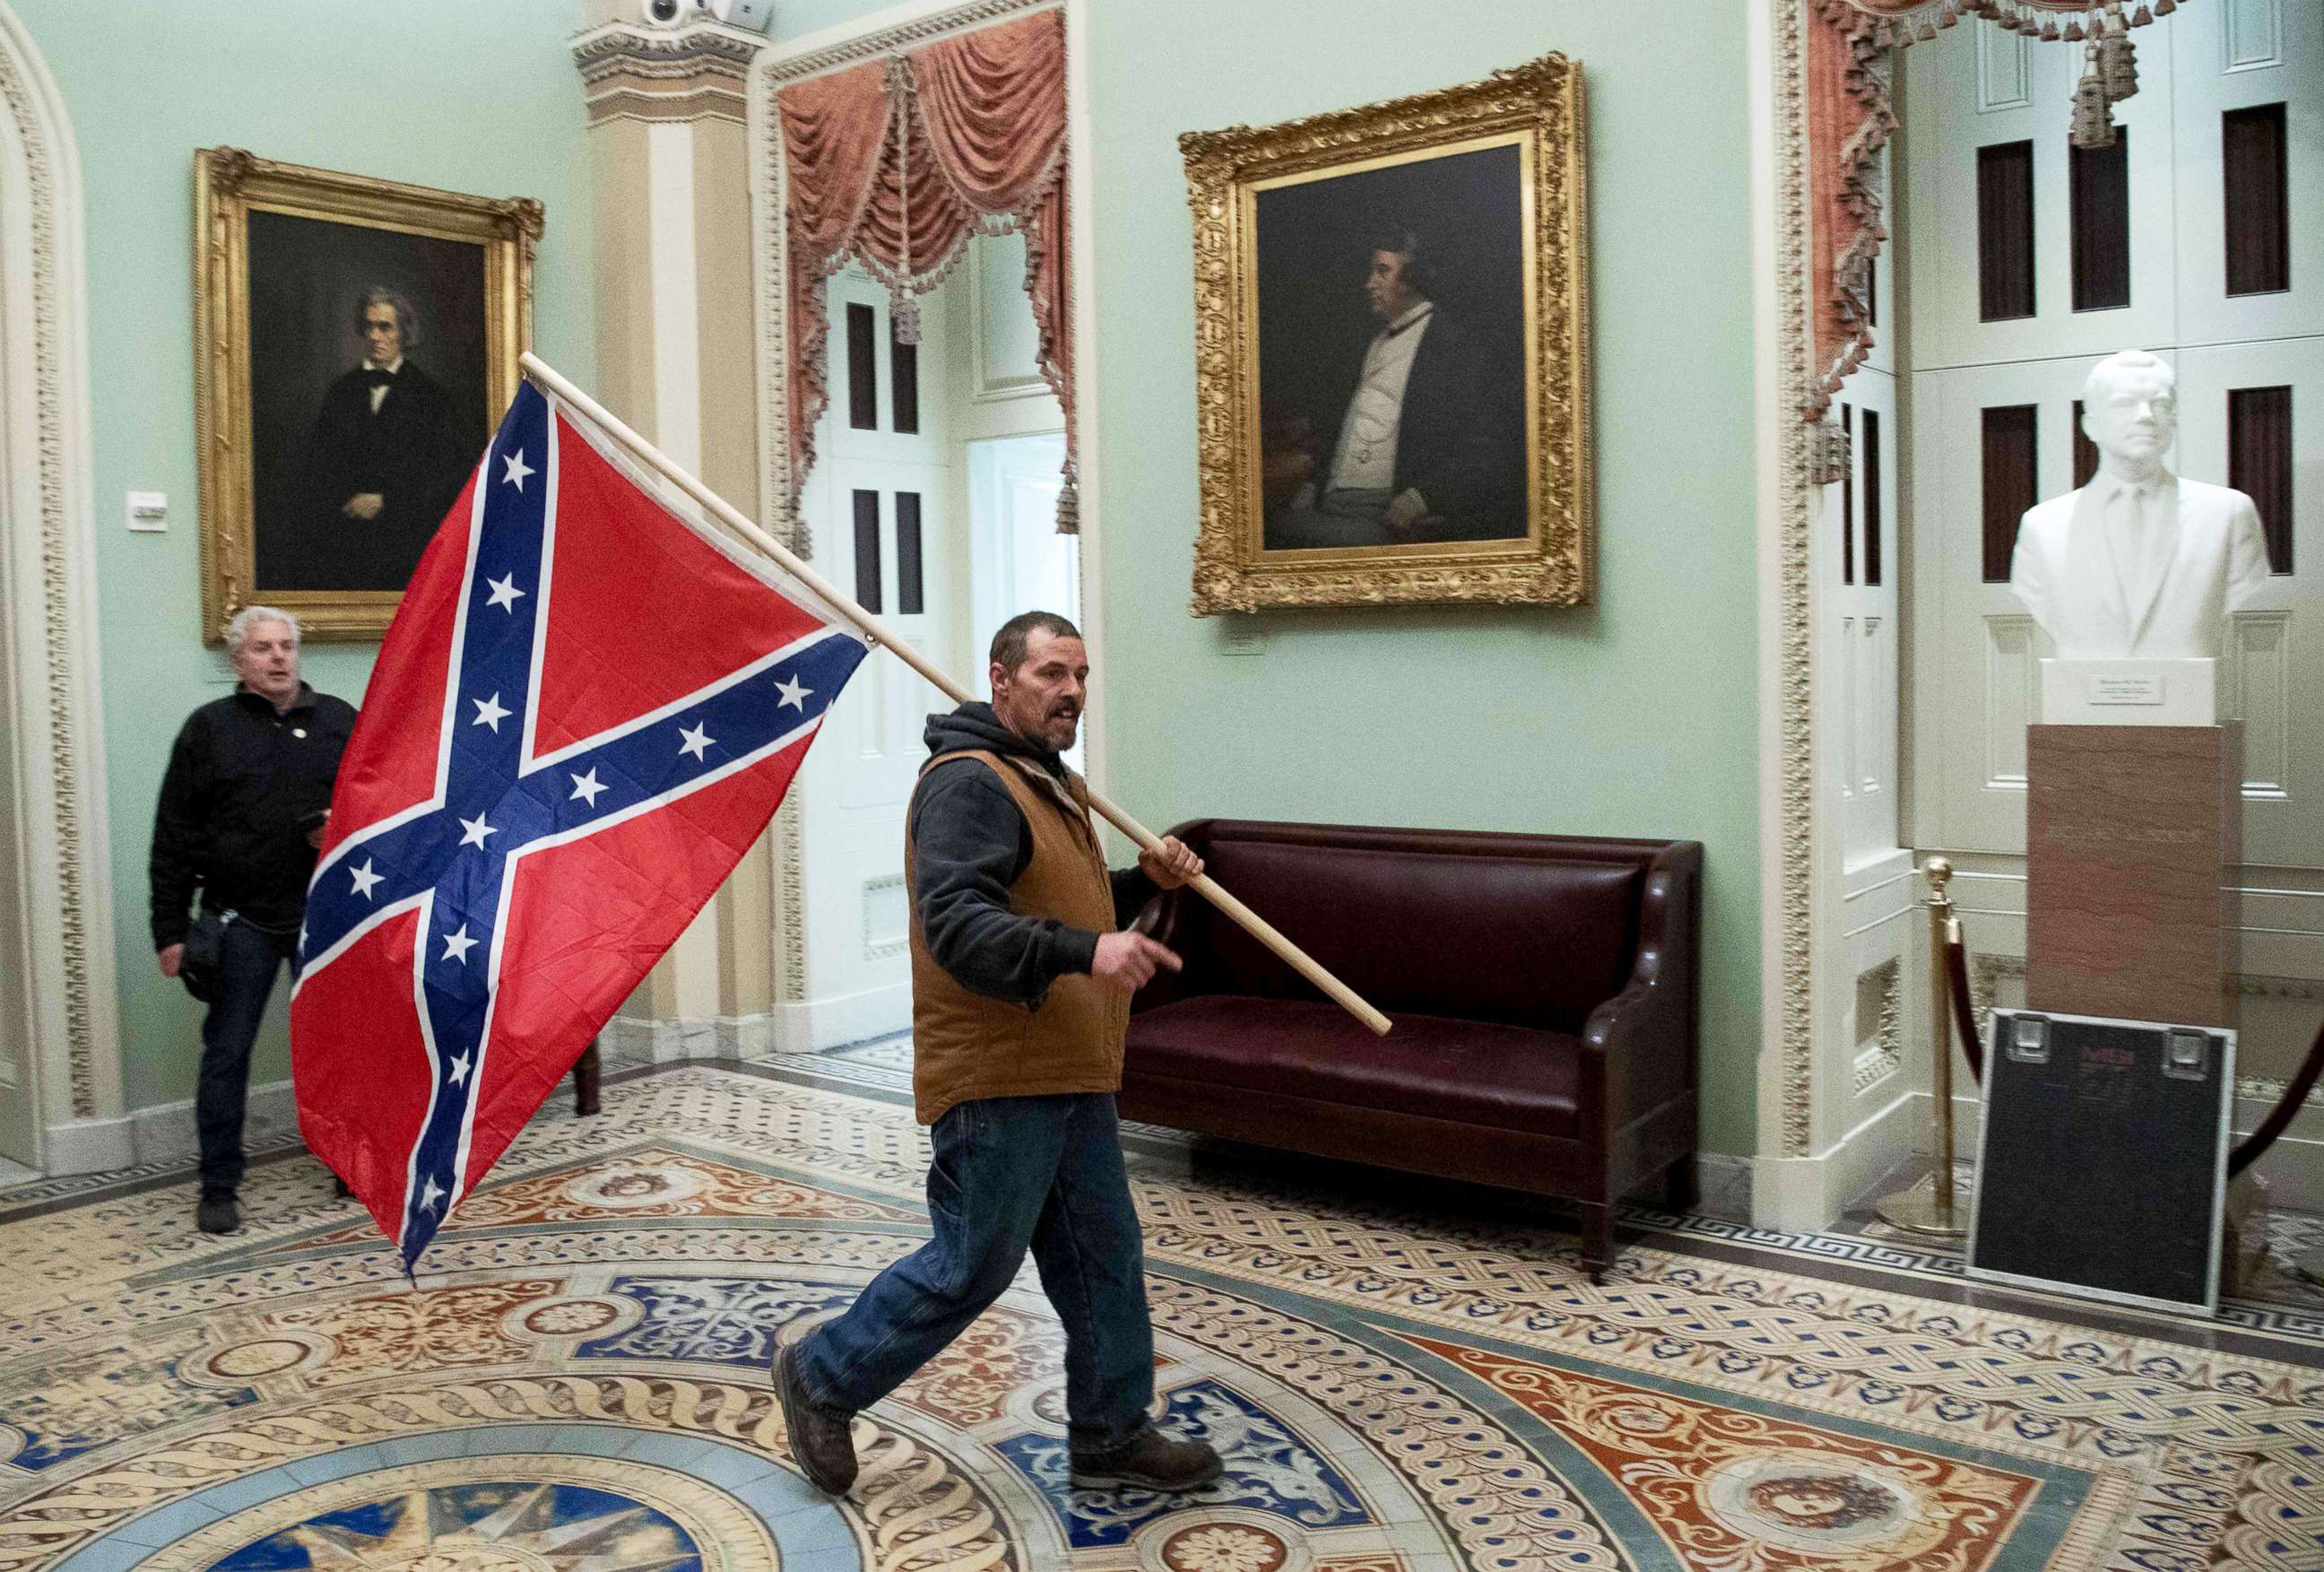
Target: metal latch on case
{"points": [[2029, 1039], [2187, 1055]]}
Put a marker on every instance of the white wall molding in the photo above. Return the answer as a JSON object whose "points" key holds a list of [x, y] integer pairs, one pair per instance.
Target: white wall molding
{"points": [[165, 1135], [818, 1025], [50, 554]]}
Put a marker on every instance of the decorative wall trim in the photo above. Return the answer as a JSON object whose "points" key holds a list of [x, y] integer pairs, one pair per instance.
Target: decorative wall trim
{"points": [[1803, 456], [1885, 1057], [790, 895], [903, 35], [878, 947], [55, 697], [1986, 974], [651, 74]]}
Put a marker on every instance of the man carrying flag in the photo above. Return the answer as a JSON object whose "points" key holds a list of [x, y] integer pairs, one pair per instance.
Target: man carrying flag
{"points": [[586, 712], [1022, 979]]}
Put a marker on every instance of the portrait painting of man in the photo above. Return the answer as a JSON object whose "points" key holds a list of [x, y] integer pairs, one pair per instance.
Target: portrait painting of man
{"points": [[1391, 354], [356, 340], [367, 398], [1392, 351]]}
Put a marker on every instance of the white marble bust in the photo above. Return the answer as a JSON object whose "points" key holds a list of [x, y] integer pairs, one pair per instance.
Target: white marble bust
{"points": [[2139, 564]]}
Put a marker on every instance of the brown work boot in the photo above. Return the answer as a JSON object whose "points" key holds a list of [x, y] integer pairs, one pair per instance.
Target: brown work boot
{"points": [[820, 1444], [1148, 1460]]}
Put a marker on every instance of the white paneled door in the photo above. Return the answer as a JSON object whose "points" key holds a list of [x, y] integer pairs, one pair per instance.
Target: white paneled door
{"points": [[882, 503]]}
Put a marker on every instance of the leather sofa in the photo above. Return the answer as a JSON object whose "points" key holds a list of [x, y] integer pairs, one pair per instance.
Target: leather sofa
{"points": [[1544, 991]]}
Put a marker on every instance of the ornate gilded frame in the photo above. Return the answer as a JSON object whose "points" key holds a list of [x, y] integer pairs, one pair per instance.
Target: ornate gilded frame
{"points": [[1539, 107], [228, 184]]}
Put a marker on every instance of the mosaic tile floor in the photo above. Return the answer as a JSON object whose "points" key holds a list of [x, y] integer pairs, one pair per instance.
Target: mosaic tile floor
{"points": [[577, 1382]]}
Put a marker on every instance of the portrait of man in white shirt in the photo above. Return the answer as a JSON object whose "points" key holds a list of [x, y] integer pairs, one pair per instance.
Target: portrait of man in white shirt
{"points": [[1417, 453]]}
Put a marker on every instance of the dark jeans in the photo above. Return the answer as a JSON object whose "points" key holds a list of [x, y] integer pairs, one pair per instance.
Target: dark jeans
{"points": [[1010, 1173], [247, 962]]}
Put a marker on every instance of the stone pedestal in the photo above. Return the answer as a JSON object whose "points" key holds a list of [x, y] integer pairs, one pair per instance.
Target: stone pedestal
{"points": [[2130, 831]]}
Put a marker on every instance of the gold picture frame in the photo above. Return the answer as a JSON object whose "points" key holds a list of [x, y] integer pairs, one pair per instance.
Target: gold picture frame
{"points": [[273, 383], [1493, 172]]}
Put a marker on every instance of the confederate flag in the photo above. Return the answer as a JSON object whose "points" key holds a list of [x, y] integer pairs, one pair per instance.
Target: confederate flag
{"points": [[586, 712]]}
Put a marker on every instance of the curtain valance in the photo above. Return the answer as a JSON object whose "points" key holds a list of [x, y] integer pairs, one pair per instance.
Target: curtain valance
{"points": [[1851, 115], [896, 164]]}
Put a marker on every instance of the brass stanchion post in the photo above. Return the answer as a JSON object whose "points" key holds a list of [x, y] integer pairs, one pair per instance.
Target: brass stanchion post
{"points": [[1932, 1206]]}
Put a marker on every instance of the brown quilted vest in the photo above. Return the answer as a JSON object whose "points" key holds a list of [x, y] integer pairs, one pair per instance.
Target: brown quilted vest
{"points": [[967, 1045]]}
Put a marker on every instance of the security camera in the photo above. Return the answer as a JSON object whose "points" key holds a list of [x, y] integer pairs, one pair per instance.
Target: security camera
{"points": [[663, 13], [752, 14]]}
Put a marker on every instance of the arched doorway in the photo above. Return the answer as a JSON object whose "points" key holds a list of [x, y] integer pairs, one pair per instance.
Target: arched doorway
{"points": [[59, 1056]]}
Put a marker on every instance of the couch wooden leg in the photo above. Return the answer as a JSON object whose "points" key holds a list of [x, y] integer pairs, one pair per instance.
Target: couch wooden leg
{"points": [[1682, 1189], [1597, 1239]]}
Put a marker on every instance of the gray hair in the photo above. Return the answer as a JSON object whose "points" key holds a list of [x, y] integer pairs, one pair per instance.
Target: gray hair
{"points": [[1009, 643], [406, 318], [2122, 362], [250, 617]]}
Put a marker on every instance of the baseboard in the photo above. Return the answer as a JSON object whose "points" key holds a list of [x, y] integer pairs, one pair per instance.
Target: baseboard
{"points": [[1805, 1194], [88, 1146], [819, 1025], [1724, 1182], [165, 1134], [643, 1040]]}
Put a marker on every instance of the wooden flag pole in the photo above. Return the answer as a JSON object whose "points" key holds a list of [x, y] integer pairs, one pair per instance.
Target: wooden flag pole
{"points": [[732, 518]]}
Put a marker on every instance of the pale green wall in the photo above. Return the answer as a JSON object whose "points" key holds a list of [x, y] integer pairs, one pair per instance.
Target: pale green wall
{"points": [[470, 97], [1633, 718], [1636, 716]]}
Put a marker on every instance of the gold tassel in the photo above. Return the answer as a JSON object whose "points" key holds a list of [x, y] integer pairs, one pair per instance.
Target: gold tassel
{"points": [[2093, 122], [2118, 70]]}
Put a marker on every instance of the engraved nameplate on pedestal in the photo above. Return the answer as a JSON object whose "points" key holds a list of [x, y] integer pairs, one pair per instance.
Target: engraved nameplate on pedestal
{"points": [[2130, 692]]}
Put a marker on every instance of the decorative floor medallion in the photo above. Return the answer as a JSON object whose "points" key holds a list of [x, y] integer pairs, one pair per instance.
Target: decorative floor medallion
{"points": [[1752, 1494], [578, 1382], [551, 1514]]}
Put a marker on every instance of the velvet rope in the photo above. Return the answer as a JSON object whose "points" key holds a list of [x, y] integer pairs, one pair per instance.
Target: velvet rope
{"points": [[2287, 1107], [982, 150], [1965, 1008]]}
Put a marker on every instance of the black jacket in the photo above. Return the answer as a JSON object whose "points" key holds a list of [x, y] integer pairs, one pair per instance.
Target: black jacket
{"points": [[410, 453], [1452, 446], [244, 786], [969, 844]]}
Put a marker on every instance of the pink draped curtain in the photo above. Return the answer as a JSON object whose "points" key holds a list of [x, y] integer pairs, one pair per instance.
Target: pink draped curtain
{"points": [[897, 165], [1851, 115]]}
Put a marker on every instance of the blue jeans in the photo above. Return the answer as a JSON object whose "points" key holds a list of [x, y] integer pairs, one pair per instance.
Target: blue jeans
{"points": [[1010, 1173], [247, 962]]}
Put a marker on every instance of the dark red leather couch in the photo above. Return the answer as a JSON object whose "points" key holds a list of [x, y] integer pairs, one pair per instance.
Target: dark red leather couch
{"points": [[1544, 991]]}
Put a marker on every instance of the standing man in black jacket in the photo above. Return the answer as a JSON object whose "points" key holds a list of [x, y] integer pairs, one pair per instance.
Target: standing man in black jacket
{"points": [[242, 812]]}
